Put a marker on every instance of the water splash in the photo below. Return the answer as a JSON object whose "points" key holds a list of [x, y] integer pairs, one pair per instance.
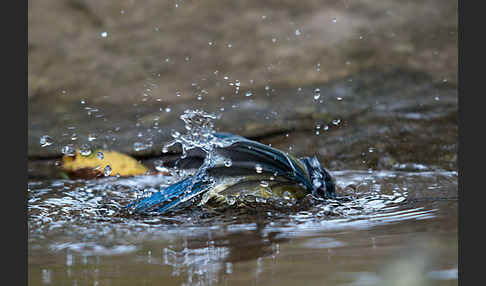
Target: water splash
{"points": [[317, 93], [200, 134], [85, 150], [107, 170], [46, 140], [68, 150], [200, 131]]}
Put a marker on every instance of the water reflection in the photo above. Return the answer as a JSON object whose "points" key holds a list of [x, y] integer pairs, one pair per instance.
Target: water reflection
{"points": [[203, 261], [76, 233]]}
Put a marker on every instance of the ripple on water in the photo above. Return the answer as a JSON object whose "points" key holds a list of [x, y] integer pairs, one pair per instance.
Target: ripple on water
{"points": [[82, 218], [371, 198]]}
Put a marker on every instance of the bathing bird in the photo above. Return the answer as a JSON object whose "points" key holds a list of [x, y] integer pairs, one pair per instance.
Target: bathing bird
{"points": [[240, 165]]}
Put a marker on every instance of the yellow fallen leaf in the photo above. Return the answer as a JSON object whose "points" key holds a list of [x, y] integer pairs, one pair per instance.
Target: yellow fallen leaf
{"points": [[91, 166]]}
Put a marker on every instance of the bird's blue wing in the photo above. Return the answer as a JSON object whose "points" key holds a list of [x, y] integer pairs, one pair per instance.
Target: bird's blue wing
{"points": [[171, 196], [245, 152]]}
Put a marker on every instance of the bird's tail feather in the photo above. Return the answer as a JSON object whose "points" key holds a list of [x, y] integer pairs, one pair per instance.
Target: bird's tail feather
{"points": [[169, 197]]}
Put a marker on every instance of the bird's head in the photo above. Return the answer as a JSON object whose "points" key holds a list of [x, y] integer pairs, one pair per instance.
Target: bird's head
{"points": [[322, 182]]}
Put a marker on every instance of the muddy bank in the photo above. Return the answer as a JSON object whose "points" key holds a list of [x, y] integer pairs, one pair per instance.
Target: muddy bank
{"points": [[118, 75], [399, 120]]}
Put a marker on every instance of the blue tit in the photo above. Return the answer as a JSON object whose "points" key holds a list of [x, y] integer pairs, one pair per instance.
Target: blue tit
{"points": [[255, 169]]}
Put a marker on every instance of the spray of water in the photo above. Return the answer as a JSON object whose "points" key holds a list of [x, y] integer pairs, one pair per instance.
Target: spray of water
{"points": [[199, 127]]}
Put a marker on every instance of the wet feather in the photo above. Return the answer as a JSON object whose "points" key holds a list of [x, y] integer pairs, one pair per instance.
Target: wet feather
{"points": [[279, 170]]}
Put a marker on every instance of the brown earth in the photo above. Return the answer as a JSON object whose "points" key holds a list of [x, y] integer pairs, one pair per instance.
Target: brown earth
{"points": [[393, 64]]}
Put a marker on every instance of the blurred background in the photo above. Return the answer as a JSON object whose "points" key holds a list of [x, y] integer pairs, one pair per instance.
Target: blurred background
{"points": [[385, 72]]}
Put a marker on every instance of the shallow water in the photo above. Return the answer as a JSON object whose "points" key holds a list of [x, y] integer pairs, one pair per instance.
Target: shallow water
{"points": [[397, 228]]}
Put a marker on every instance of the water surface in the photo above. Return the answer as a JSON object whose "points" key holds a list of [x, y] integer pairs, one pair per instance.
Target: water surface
{"points": [[397, 227]]}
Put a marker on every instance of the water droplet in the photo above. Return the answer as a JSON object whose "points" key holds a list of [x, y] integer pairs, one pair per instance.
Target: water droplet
{"points": [[317, 93], [286, 195], [139, 146], [336, 121], [175, 134], [104, 34], [107, 171], [248, 93], [258, 168], [260, 200], [297, 32], [167, 109], [100, 155], [165, 149], [46, 140], [85, 150], [229, 265], [230, 200], [339, 98], [318, 127], [159, 166], [228, 162], [274, 40], [334, 20], [68, 150], [264, 184], [230, 45], [91, 137]]}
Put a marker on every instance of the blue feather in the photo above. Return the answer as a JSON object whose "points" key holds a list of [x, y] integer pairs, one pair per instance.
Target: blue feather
{"points": [[245, 154], [282, 162], [170, 196]]}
